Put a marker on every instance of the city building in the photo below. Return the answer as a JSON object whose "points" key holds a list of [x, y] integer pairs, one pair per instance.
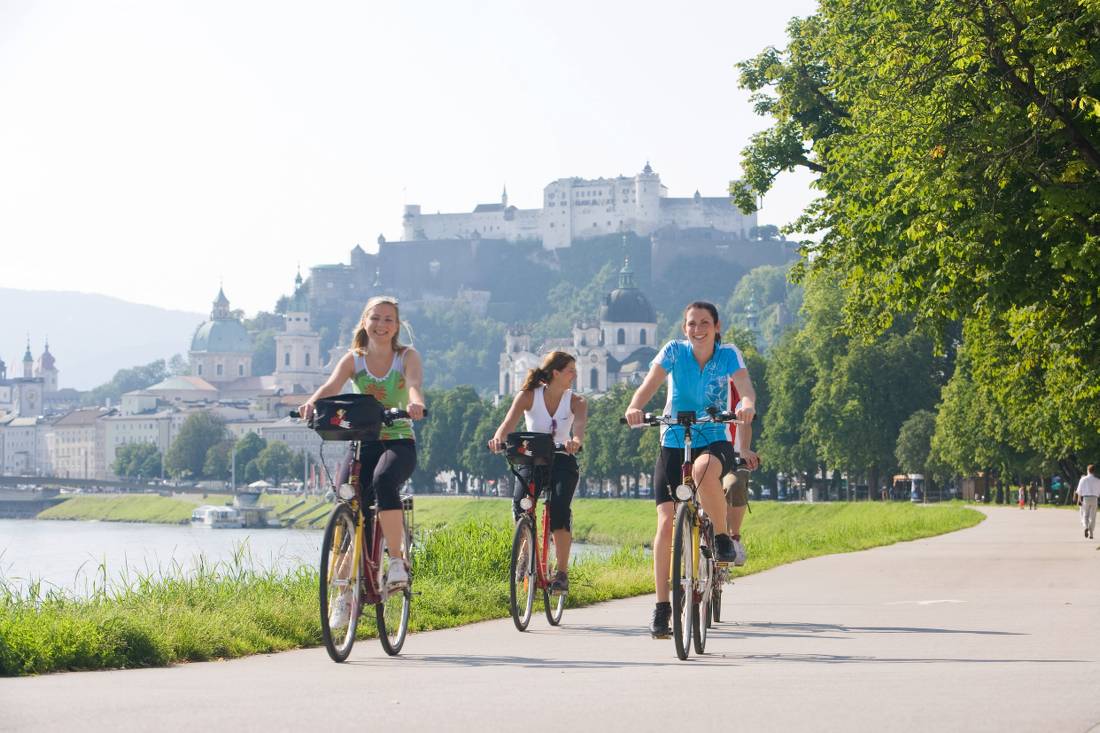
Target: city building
{"points": [[617, 347], [23, 395], [75, 444], [298, 367]]}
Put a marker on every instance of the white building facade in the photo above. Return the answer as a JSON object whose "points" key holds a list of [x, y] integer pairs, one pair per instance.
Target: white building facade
{"points": [[578, 208]]}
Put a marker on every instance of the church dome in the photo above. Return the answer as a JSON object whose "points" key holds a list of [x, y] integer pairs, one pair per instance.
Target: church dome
{"points": [[46, 361], [223, 337], [627, 304], [222, 334]]}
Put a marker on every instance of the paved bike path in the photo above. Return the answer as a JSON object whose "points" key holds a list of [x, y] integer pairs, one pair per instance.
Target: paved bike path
{"points": [[989, 629]]}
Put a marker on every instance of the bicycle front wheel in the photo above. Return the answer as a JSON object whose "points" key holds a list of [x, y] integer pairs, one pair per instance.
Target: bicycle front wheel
{"points": [[392, 612], [339, 584], [521, 576], [554, 603], [682, 580], [716, 602]]}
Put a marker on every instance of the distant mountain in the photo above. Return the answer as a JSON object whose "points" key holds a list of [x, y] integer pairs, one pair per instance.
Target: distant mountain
{"points": [[91, 336]]}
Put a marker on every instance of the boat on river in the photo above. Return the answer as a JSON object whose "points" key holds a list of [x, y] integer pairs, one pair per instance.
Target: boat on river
{"points": [[216, 517]]}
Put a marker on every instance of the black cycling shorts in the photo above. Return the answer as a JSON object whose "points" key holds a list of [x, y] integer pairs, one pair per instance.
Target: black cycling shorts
{"points": [[384, 466], [667, 475], [564, 475]]}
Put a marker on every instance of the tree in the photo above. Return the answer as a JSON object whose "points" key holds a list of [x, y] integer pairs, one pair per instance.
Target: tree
{"points": [[277, 462], [248, 447], [914, 446], [957, 147], [455, 414], [127, 380], [137, 460], [216, 464], [186, 456]]}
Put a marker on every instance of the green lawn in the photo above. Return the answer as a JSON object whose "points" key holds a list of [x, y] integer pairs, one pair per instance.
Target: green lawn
{"points": [[460, 568]]}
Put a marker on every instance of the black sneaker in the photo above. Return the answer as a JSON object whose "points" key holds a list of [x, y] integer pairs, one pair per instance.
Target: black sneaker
{"points": [[662, 614], [724, 550], [560, 583]]}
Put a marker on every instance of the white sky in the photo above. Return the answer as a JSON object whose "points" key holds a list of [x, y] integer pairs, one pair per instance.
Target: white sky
{"points": [[151, 149]]}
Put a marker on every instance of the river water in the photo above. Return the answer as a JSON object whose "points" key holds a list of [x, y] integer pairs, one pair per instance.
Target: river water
{"points": [[78, 556]]}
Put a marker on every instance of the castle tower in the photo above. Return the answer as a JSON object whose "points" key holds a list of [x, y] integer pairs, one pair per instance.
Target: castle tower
{"points": [[28, 361]]}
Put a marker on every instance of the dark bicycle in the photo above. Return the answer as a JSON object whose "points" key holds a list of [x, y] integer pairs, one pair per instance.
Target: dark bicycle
{"points": [[354, 554]]}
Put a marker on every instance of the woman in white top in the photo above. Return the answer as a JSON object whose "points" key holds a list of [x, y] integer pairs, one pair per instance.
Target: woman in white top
{"points": [[549, 405]]}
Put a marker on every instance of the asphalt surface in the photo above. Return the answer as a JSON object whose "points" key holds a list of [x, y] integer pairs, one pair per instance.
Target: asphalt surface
{"points": [[995, 628]]}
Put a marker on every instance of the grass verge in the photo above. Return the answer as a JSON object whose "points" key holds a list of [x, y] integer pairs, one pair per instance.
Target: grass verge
{"points": [[234, 609]]}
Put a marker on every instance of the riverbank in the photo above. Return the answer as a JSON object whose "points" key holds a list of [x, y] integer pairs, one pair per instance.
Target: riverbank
{"points": [[234, 610]]}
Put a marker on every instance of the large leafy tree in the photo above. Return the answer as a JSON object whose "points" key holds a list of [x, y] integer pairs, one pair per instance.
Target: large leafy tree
{"points": [[957, 147], [137, 460], [186, 455]]}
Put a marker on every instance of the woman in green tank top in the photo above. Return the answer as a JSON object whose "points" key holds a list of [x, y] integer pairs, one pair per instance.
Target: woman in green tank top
{"points": [[378, 364]]}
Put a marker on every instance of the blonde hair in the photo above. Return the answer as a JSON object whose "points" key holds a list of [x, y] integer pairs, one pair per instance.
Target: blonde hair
{"points": [[555, 361], [361, 340]]}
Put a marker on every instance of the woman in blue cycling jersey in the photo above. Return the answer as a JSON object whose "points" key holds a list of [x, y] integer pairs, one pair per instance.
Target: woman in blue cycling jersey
{"points": [[698, 370]]}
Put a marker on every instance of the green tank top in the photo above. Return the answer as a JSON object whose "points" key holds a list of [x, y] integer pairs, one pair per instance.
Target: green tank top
{"points": [[391, 390]]}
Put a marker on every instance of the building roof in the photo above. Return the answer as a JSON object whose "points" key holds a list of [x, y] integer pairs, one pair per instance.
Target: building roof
{"points": [[627, 304], [488, 208], [181, 384], [222, 336], [78, 418]]}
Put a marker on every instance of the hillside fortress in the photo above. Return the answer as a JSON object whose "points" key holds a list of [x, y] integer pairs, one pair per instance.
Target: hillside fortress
{"points": [[580, 208]]}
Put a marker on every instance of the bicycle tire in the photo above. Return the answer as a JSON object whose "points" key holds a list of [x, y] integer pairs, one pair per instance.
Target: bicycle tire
{"points": [[682, 581], [392, 612], [554, 603], [338, 548], [521, 578], [700, 610]]}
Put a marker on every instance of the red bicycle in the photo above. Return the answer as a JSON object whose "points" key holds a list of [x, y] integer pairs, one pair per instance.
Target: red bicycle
{"points": [[534, 560]]}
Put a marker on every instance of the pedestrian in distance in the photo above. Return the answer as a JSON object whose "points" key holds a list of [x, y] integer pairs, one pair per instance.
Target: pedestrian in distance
{"points": [[1023, 496], [1087, 491]]}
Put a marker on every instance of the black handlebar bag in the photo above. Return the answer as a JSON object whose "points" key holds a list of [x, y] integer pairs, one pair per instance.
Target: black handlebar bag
{"points": [[530, 449], [348, 417]]}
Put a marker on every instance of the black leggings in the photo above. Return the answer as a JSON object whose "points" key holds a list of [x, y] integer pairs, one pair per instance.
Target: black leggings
{"points": [[384, 466], [563, 482]]}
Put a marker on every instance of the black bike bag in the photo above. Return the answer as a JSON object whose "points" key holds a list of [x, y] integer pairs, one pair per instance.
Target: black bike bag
{"points": [[348, 417], [530, 449]]}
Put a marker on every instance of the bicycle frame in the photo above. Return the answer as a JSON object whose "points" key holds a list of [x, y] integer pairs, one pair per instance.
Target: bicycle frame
{"points": [[542, 542]]}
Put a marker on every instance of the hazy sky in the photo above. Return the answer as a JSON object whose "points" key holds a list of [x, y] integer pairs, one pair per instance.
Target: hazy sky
{"points": [[150, 150]]}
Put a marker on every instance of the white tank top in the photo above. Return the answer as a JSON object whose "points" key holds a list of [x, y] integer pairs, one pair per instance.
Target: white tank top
{"points": [[539, 419]]}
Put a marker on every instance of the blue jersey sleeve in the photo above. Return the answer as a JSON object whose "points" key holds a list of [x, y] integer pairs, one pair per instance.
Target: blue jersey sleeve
{"points": [[666, 357]]}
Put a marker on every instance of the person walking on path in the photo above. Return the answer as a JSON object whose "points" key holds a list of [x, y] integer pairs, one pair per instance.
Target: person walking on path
{"points": [[1023, 496], [1088, 489], [1033, 495]]}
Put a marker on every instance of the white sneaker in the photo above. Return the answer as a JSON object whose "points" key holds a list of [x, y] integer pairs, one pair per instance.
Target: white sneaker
{"points": [[398, 575], [341, 611], [739, 553]]}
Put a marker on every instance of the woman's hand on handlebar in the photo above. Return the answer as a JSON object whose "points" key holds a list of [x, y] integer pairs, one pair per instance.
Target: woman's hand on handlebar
{"points": [[415, 410], [752, 461], [496, 445], [572, 446], [634, 417], [305, 410]]}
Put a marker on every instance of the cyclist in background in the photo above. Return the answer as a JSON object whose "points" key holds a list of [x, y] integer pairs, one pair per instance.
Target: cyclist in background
{"points": [[698, 370], [736, 483], [549, 405]]}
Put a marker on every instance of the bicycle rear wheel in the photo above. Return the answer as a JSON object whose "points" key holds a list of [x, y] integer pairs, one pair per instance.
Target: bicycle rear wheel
{"points": [[683, 580], [339, 584], [700, 610], [521, 577], [554, 603], [392, 612]]}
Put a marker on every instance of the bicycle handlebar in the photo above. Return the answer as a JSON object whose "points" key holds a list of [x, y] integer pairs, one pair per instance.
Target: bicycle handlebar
{"points": [[558, 448], [388, 416], [650, 420]]}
